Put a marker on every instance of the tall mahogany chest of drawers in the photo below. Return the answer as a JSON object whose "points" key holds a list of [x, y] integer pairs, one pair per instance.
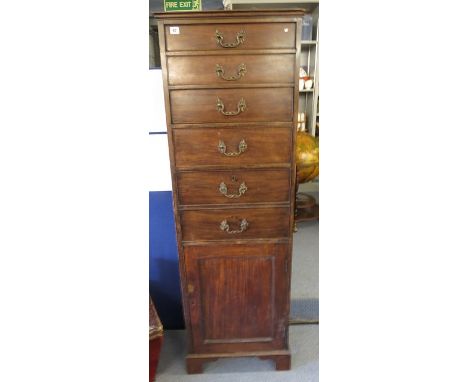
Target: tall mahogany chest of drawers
{"points": [[230, 87]]}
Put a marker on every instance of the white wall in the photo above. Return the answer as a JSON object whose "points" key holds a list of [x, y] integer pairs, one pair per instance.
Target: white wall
{"points": [[157, 120], [159, 173]]}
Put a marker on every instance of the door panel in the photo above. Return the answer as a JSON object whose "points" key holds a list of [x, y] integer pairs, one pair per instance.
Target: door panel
{"points": [[237, 296]]}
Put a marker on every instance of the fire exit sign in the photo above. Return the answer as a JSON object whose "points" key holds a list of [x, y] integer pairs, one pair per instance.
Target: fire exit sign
{"points": [[182, 5]]}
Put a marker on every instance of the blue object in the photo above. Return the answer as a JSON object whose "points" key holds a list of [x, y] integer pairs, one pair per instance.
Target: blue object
{"points": [[164, 280]]}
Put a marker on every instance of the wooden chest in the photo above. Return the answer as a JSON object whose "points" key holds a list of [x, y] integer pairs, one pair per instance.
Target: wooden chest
{"points": [[230, 87]]}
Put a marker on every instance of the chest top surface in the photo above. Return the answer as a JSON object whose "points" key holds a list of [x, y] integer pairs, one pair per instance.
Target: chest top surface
{"points": [[229, 14]]}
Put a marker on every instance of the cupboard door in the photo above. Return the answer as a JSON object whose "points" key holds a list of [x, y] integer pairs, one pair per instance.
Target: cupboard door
{"points": [[238, 296]]}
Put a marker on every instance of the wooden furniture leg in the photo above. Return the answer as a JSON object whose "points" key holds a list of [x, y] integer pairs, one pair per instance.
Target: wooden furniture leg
{"points": [[282, 362], [194, 365]]}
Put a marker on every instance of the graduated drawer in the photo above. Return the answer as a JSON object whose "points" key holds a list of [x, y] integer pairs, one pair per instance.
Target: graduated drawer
{"points": [[233, 186], [231, 69], [232, 223], [231, 146], [241, 105], [189, 37]]}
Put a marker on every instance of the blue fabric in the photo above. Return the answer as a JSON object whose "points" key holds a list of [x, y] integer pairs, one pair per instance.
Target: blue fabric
{"points": [[164, 280]]}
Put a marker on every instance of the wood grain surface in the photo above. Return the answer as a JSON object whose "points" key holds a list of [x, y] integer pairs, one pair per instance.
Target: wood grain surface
{"points": [[263, 223], [260, 69], [237, 294], [262, 105], [257, 36], [247, 186], [199, 147]]}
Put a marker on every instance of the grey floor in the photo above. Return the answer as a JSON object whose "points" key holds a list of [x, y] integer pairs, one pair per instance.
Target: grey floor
{"points": [[305, 272], [303, 342], [303, 339]]}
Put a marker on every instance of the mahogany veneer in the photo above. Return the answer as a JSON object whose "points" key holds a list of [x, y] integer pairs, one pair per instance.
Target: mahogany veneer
{"points": [[230, 87], [199, 147], [201, 36], [199, 70], [241, 186], [262, 105]]}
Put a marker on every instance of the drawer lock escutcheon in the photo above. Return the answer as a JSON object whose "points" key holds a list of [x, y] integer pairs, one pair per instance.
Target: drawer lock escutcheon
{"points": [[190, 288], [223, 189], [241, 70], [241, 148], [224, 226], [240, 38], [241, 106]]}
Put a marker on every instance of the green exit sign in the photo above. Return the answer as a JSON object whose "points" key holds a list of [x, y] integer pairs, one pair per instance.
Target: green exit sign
{"points": [[182, 5]]}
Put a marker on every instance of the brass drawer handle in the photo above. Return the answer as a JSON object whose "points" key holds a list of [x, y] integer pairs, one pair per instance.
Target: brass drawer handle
{"points": [[242, 148], [241, 106], [224, 226], [223, 189], [241, 70], [240, 38]]}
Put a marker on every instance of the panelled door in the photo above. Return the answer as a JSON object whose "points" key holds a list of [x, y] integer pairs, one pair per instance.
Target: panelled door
{"points": [[238, 296]]}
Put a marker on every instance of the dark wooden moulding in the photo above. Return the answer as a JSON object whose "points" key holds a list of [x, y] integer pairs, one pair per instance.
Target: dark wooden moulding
{"points": [[235, 277]]}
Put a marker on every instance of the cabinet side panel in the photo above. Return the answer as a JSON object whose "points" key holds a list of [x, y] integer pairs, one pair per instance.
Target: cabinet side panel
{"points": [[182, 273]]}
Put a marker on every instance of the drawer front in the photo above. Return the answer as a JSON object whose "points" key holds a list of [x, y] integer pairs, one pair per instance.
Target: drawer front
{"points": [[233, 186], [233, 224], [259, 69], [231, 147], [232, 105], [189, 37]]}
